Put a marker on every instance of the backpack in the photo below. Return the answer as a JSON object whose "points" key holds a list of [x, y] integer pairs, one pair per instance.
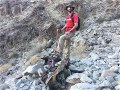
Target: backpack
{"points": [[78, 22]]}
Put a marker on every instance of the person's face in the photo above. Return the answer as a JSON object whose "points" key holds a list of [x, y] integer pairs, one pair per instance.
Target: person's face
{"points": [[69, 9]]}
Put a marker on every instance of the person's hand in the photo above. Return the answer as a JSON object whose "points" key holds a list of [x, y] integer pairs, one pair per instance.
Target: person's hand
{"points": [[67, 32], [62, 29], [58, 30]]}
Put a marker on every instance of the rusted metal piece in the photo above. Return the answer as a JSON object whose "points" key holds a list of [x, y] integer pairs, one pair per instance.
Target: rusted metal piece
{"points": [[57, 71]]}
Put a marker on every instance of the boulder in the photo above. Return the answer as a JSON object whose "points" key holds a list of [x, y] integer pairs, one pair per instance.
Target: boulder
{"points": [[83, 86], [4, 68], [76, 69], [107, 72], [94, 56], [74, 78], [36, 69], [106, 84], [117, 87], [114, 68], [4, 87], [33, 60], [85, 79]]}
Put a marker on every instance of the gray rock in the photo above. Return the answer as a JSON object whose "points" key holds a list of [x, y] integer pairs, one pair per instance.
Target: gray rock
{"points": [[102, 62], [34, 69], [106, 89], [94, 56], [74, 78], [83, 86], [88, 72], [96, 75], [21, 85], [106, 84], [107, 72], [4, 86], [114, 56], [25, 87], [22, 82], [74, 59], [119, 70], [88, 62], [110, 79], [37, 88], [77, 69], [117, 77], [85, 79], [36, 82], [114, 68], [117, 87], [114, 83], [44, 87]]}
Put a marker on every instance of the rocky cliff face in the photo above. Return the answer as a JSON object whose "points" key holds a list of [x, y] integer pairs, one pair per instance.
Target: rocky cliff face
{"points": [[95, 49]]}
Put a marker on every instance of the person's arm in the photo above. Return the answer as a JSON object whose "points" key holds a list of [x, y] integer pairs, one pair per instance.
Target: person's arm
{"points": [[74, 27], [63, 28]]}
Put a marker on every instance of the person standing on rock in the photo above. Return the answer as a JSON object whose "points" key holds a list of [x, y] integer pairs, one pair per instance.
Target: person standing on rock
{"points": [[71, 24]]}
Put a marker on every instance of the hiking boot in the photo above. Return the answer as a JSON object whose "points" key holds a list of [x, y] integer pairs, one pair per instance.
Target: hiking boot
{"points": [[58, 54]]}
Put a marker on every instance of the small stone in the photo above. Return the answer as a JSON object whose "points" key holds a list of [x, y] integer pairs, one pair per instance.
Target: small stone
{"points": [[110, 79], [77, 69], [106, 89], [41, 71], [94, 56], [105, 84], [117, 87], [7, 89], [84, 78], [34, 69], [117, 78], [102, 62], [107, 72], [114, 83], [96, 75], [25, 87], [4, 68], [114, 68], [36, 82], [4, 87], [21, 85], [114, 56], [118, 82], [44, 87], [74, 78], [88, 62], [37, 88], [119, 70], [83, 86], [22, 81], [74, 59], [32, 60]]}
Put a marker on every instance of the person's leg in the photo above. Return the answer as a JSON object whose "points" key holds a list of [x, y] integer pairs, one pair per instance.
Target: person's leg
{"points": [[62, 41], [67, 46], [67, 49], [61, 44]]}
